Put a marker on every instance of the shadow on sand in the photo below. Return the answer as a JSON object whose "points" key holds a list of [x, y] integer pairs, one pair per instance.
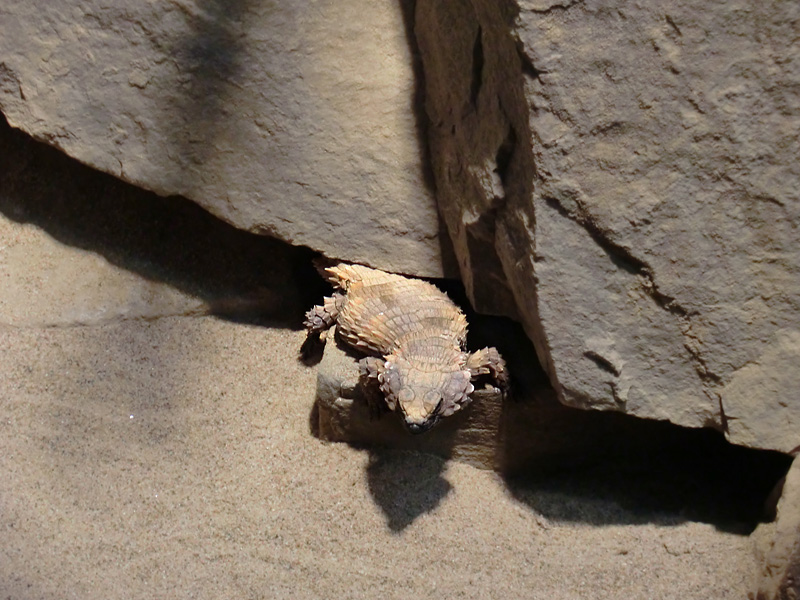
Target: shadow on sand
{"points": [[405, 485], [239, 275], [653, 473], [668, 475]]}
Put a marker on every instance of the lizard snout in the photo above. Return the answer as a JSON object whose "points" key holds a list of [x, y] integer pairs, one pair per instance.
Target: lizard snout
{"points": [[416, 426]]}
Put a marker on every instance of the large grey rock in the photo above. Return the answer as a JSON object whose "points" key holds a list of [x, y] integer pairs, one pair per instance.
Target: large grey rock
{"points": [[623, 176], [280, 118]]}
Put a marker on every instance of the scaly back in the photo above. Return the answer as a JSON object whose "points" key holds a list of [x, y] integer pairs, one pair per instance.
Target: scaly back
{"points": [[383, 313]]}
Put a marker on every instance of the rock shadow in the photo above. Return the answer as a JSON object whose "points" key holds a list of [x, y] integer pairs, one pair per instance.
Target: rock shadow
{"points": [[238, 275], [405, 484], [660, 473]]}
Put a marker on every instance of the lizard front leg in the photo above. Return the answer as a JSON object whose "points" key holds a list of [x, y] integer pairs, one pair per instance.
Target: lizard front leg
{"points": [[371, 370], [323, 316], [489, 362]]}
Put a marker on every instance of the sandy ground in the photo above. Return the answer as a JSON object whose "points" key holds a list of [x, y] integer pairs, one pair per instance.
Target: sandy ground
{"points": [[173, 458]]}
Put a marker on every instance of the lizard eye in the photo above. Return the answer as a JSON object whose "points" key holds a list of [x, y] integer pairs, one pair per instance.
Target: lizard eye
{"points": [[432, 398], [406, 395]]}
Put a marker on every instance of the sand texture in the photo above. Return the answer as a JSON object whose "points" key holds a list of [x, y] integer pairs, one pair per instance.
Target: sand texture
{"points": [[174, 458]]}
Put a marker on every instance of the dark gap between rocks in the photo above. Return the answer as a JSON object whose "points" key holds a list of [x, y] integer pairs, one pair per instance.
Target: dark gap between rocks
{"points": [[477, 68], [661, 473]]}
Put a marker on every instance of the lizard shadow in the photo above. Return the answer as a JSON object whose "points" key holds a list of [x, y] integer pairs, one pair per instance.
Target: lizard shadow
{"points": [[405, 484], [624, 471]]}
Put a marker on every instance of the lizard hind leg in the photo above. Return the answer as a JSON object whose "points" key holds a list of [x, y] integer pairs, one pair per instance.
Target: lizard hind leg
{"points": [[489, 362]]}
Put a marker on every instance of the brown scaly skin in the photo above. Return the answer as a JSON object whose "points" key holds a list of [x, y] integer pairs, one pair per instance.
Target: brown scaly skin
{"points": [[414, 336]]}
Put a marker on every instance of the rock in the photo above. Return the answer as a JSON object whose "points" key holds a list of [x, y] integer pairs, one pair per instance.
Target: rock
{"points": [[623, 178], [778, 546], [620, 177], [296, 121]]}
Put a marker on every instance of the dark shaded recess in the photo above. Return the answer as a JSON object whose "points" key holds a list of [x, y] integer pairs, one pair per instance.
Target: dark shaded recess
{"points": [[505, 154], [658, 472], [477, 68], [240, 275]]}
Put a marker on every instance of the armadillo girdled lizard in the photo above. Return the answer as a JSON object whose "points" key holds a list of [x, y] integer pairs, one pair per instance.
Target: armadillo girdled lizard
{"points": [[415, 339]]}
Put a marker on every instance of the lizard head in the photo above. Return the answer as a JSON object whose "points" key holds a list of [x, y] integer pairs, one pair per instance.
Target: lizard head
{"points": [[423, 397]]}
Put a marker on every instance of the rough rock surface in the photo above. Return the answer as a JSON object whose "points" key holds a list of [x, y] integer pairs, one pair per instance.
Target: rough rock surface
{"points": [[623, 177], [778, 546], [280, 118]]}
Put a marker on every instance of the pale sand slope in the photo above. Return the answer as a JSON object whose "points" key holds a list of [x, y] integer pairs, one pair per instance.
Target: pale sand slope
{"points": [[172, 458]]}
